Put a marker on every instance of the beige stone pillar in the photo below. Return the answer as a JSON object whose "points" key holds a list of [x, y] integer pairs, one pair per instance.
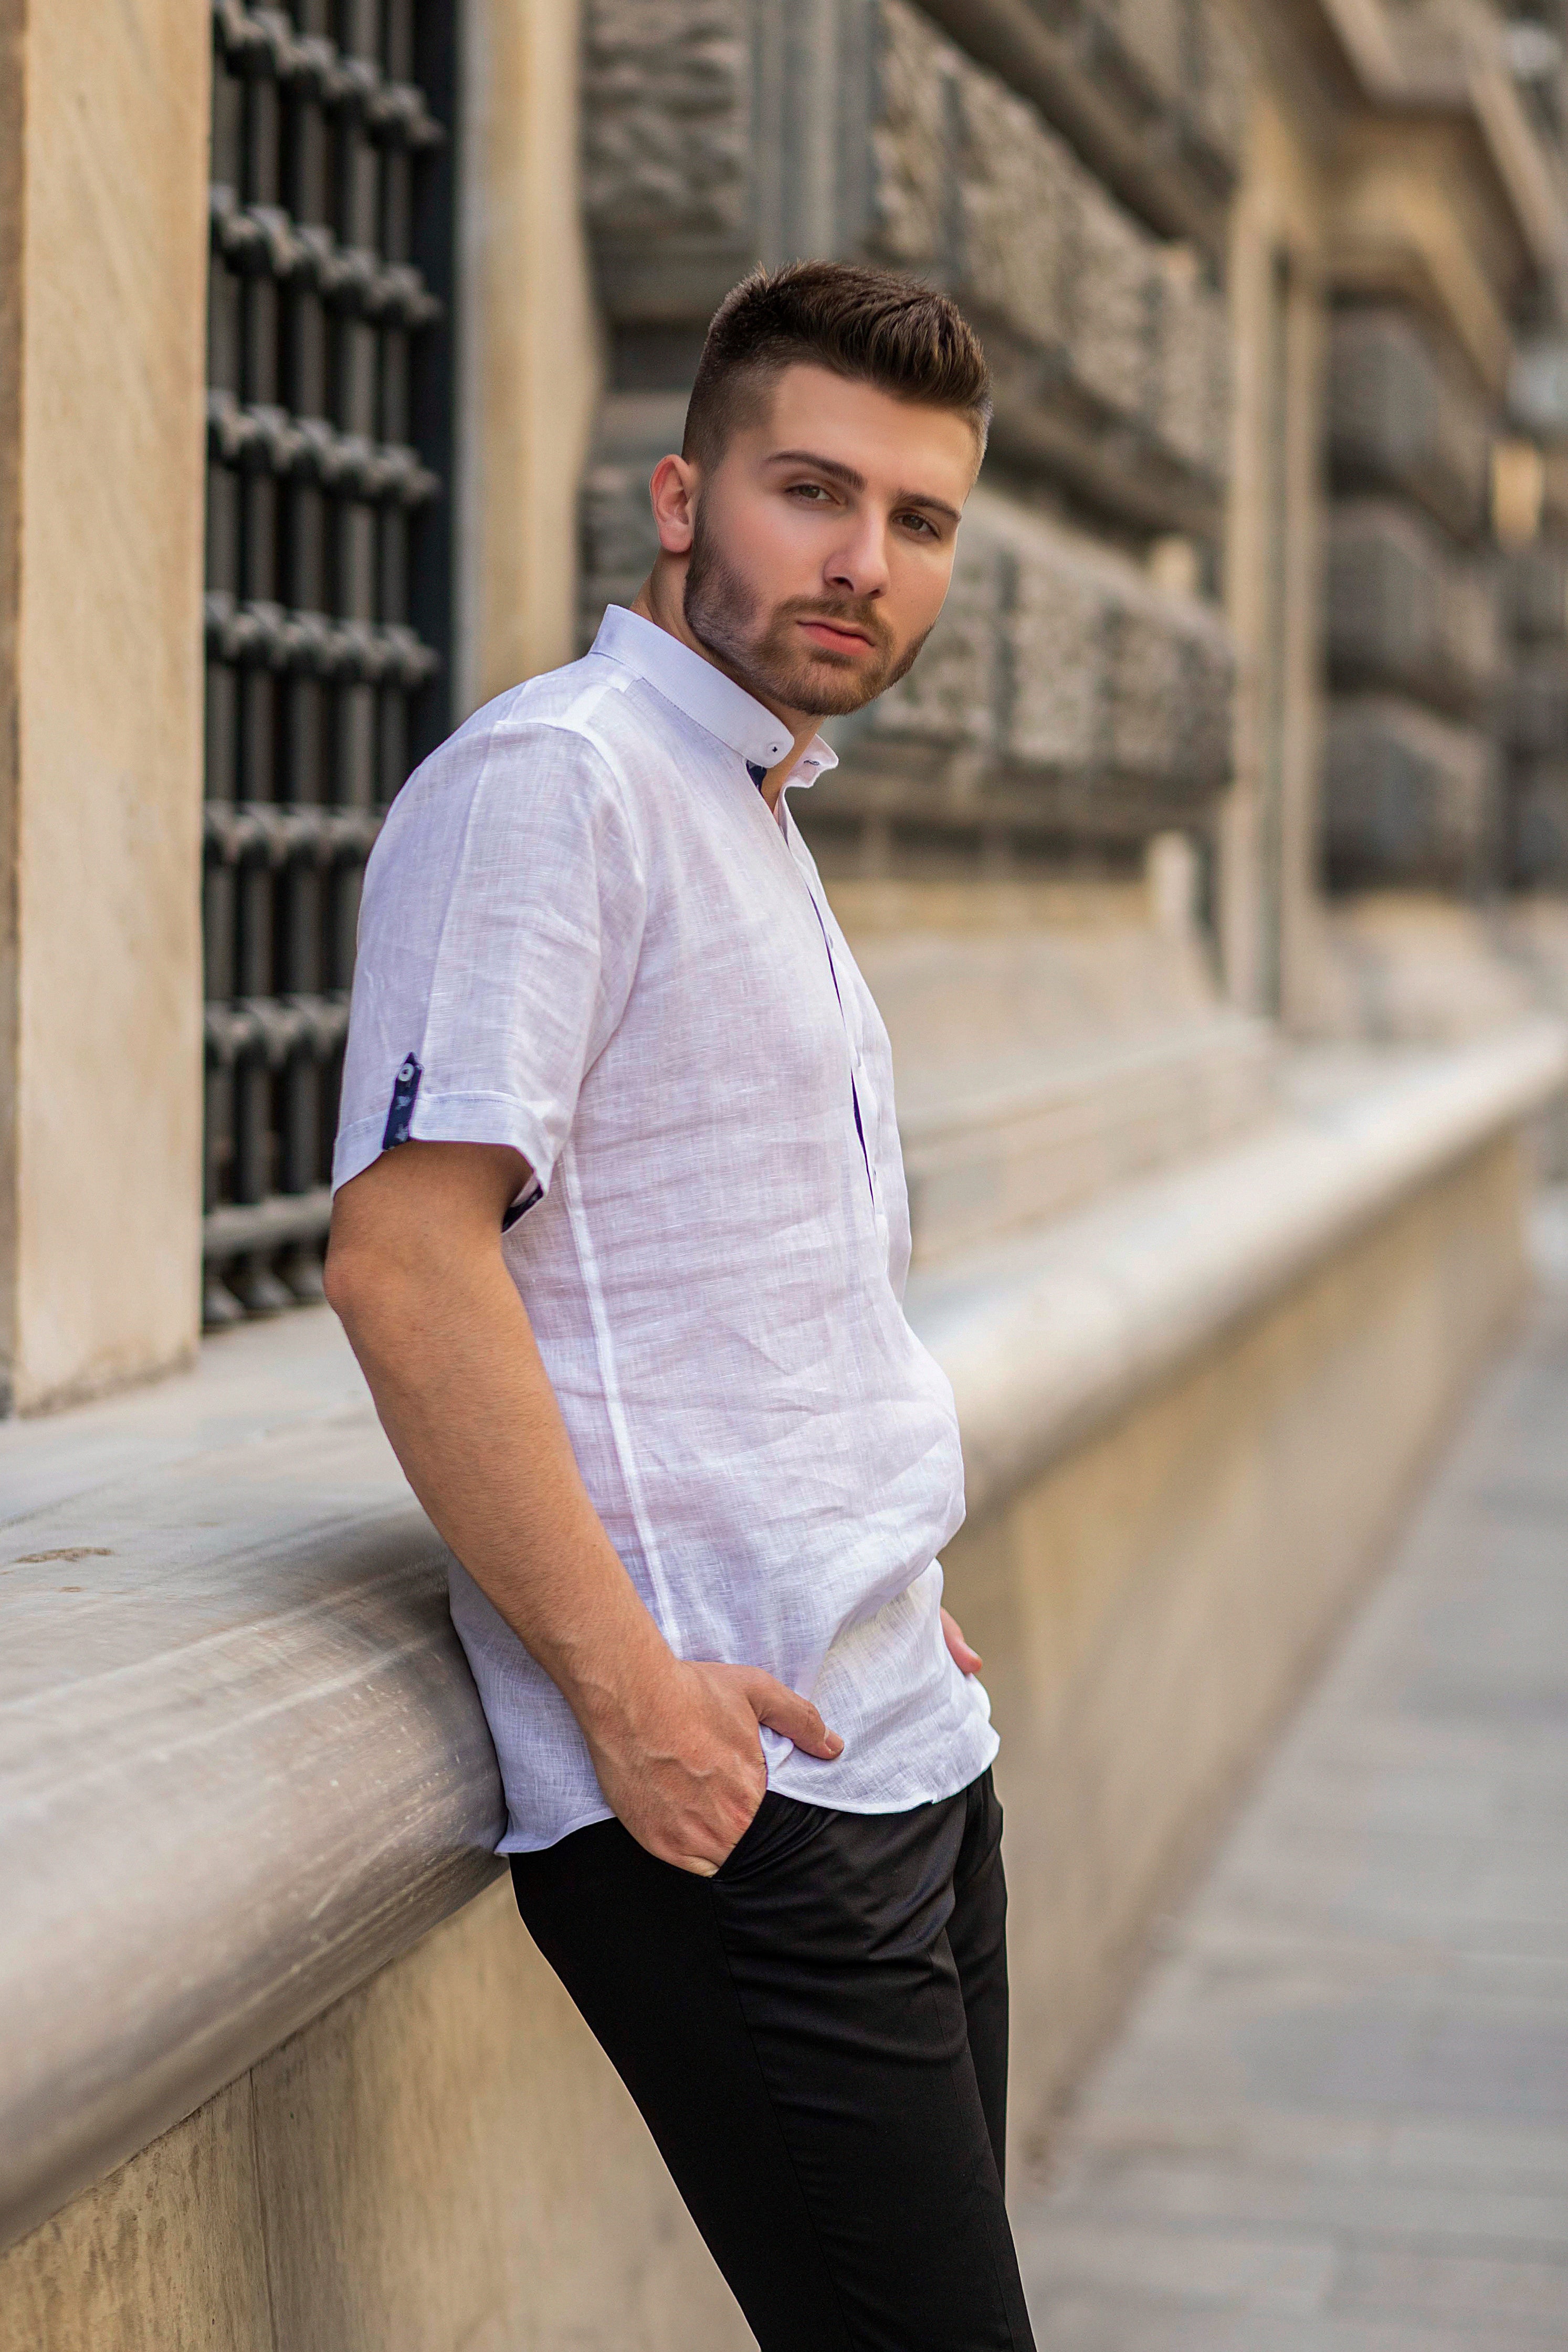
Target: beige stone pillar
{"points": [[103, 144], [1268, 829], [528, 369]]}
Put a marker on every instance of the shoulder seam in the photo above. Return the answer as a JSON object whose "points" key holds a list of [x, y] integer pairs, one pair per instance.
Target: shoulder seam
{"points": [[582, 733], [592, 694]]}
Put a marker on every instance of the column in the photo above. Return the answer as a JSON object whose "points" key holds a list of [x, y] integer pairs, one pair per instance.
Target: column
{"points": [[102, 282]]}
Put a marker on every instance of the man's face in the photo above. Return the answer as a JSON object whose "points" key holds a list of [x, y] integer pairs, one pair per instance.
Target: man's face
{"points": [[822, 540]]}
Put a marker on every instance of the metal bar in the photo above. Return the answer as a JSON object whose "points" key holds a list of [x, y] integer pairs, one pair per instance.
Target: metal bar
{"points": [[392, 742], [249, 829], [253, 634], [346, 886], [262, 241], [397, 44], [255, 437], [222, 710], [261, 45], [271, 1028], [430, 373], [329, 435]]}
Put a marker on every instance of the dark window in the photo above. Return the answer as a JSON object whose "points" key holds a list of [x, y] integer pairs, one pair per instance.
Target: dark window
{"points": [[327, 570]]}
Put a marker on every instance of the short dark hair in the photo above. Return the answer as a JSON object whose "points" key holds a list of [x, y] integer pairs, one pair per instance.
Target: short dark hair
{"points": [[867, 324]]}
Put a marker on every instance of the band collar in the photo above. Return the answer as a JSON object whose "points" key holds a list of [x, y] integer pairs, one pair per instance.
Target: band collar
{"points": [[704, 695]]}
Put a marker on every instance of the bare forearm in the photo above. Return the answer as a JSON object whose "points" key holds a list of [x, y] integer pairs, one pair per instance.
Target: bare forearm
{"points": [[463, 1394], [415, 1271]]}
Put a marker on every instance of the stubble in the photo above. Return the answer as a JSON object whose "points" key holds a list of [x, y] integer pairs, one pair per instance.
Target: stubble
{"points": [[772, 661]]}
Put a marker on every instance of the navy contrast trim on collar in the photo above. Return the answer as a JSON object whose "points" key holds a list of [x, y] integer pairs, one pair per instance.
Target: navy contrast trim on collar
{"points": [[704, 695]]}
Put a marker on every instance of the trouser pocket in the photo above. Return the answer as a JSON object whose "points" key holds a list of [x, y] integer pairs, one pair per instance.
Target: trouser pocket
{"points": [[780, 1827]]}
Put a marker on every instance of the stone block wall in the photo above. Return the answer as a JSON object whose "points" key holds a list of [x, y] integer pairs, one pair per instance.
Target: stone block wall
{"points": [[1535, 711], [1409, 611], [1063, 699], [1409, 794], [1088, 310], [1414, 625], [1401, 421], [1061, 687]]}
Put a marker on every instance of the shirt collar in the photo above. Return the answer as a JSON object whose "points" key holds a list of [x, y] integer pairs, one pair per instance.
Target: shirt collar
{"points": [[705, 696]]}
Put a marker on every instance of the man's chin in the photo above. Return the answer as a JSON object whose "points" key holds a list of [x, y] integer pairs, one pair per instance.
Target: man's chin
{"points": [[838, 697], [828, 684]]}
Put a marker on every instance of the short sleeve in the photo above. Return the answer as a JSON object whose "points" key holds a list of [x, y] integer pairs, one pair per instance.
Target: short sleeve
{"points": [[499, 931]]}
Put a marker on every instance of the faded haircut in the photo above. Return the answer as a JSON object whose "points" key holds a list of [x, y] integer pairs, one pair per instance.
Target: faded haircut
{"points": [[867, 324]]}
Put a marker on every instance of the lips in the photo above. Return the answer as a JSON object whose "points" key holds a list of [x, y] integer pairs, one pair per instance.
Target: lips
{"points": [[832, 638]]}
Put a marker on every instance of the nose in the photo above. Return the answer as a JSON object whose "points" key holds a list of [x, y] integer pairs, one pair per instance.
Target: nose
{"points": [[857, 566]]}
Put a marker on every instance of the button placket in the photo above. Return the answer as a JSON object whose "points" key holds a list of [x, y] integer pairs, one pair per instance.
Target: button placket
{"points": [[854, 1059], [852, 1049]]}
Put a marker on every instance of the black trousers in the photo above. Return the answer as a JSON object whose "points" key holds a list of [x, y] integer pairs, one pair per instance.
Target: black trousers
{"points": [[817, 2041]]}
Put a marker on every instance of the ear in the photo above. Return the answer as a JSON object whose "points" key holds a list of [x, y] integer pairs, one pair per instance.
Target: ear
{"points": [[672, 491]]}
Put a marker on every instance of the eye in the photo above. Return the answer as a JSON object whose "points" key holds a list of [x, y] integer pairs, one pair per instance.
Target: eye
{"points": [[815, 491], [920, 525]]}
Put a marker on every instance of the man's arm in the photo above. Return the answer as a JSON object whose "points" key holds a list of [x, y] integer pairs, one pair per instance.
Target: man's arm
{"points": [[415, 1272]]}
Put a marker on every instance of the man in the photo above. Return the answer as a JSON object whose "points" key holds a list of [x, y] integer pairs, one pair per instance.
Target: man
{"points": [[619, 1241]]}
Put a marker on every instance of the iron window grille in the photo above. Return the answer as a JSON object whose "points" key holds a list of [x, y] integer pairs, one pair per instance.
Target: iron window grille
{"points": [[327, 571]]}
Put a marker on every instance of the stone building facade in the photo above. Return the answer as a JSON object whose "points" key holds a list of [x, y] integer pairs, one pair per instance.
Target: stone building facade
{"points": [[1067, 700], [1211, 869]]}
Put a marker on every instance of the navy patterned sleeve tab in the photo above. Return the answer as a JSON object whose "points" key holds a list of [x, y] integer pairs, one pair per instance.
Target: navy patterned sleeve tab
{"points": [[400, 1115]]}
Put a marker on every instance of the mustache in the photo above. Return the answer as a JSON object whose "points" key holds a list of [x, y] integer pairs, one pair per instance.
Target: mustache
{"points": [[842, 613]]}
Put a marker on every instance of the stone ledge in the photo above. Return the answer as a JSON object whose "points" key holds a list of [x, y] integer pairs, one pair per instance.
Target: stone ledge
{"points": [[994, 1151], [1046, 1339], [241, 1760], [241, 1763]]}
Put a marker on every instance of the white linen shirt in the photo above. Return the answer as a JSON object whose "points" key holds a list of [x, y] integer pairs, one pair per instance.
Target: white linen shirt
{"points": [[584, 934]]}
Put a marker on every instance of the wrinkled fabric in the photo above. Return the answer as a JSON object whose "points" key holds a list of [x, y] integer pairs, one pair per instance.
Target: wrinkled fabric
{"points": [[583, 924]]}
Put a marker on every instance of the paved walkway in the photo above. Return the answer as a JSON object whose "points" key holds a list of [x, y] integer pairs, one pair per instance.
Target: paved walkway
{"points": [[1337, 2117]]}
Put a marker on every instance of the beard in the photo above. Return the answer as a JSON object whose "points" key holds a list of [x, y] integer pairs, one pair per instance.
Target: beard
{"points": [[773, 661]]}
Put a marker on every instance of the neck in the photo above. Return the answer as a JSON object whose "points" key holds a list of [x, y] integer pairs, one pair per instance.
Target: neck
{"points": [[661, 600]]}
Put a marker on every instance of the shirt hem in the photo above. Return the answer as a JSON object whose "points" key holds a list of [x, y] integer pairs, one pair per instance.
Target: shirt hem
{"points": [[515, 1842], [518, 1843], [935, 1793]]}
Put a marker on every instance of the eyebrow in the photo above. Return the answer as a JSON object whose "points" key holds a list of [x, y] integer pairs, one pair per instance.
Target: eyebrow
{"points": [[853, 480]]}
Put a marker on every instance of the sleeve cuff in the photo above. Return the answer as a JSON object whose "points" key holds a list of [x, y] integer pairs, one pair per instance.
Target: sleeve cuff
{"points": [[453, 1119]]}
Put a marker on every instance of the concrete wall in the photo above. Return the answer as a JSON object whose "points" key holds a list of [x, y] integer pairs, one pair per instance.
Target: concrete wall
{"points": [[443, 2160], [1150, 1606], [105, 229]]}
